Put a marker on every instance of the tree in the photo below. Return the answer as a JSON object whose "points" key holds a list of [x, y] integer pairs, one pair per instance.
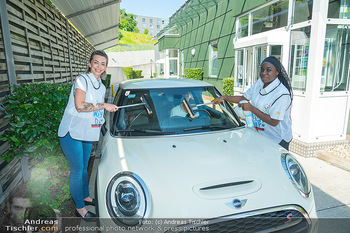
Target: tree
{"points": [[146, 31], [127, 22]]}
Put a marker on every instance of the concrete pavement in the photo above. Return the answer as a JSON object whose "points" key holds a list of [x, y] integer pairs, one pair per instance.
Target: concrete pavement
{"points": [[331, 186]]}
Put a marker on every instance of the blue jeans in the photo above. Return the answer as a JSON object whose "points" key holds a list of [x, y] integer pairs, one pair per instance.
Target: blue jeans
{"points": [[78, 155]]}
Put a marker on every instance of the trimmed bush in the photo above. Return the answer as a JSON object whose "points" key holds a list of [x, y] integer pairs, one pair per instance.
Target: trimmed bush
{"points": [[194, 73], [34, 112], [107, 81], [228, 85], [128, 72], [137, 74]]}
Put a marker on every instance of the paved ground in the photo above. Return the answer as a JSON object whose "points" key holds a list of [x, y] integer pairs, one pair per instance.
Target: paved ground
{"points": [[331, 186]]}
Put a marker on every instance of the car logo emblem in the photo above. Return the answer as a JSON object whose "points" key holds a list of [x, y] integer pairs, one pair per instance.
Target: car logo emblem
{"points": [[237, 203], [289, 217]]}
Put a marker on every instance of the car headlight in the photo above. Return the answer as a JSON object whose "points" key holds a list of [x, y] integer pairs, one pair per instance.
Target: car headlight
{"points": [[296, 174], [128, 200]]}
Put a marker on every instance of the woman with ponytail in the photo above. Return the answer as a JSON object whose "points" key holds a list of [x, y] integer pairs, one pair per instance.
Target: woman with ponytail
{"points": [[80, 127], [270, 102]]}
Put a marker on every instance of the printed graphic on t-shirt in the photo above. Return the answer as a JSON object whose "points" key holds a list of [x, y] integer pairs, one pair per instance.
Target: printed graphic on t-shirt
{"points": [[266, 107], [258, 123], [98, 118]]}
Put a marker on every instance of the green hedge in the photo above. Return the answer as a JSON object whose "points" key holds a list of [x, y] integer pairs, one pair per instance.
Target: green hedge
{"points": [[132, 74], [137, 74], [128, 72], [228, 85], [194, 73], [35, 112], [107, 81]]}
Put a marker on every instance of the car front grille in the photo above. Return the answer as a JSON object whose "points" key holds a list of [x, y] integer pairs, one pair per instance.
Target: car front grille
{"points": [[269, 220]]}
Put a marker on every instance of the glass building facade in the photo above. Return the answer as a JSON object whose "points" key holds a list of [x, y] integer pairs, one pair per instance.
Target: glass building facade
{"points": [[230, 38]]}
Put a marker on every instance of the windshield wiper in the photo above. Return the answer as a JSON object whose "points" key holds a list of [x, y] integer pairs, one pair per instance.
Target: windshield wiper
{"points": [[209, 127], [144, 131]]}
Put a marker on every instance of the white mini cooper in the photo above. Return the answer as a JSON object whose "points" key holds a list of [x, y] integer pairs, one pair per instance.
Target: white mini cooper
{"points": [[169, 156]]}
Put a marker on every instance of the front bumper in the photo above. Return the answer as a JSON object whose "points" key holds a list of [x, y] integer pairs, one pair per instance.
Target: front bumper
{"points": [[290, 218]]}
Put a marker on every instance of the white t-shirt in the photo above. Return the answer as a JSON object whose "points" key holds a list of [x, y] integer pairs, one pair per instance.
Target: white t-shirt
{"points": [[275, 101], [84, 126]]}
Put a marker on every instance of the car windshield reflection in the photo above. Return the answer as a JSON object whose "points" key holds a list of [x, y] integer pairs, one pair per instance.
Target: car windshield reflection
{"points": [[169, 113]]}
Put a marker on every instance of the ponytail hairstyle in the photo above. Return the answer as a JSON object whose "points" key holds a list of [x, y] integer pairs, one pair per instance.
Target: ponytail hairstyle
{"points": [[102, 54], [282, 74]]}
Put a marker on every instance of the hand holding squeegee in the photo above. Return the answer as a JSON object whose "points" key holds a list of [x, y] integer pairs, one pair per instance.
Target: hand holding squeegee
{"points": [[144, 102]]}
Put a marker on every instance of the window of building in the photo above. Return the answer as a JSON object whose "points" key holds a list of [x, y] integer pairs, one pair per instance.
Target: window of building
{"points": [[151, 26], [150, 20], [173, 67], [335, 67], [173, 53], [158, 21], [160, 69], [143, 20], [270, 17], [240, 65], [163, 21], [173, 62], [300, 39], [260, 55], [243, 26], [339, 9], [213, 59], [158, 26], [276, 51], [302, 11]]}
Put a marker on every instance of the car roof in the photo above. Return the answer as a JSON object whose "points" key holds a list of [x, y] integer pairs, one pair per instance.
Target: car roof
{"points": [[156, 83]]}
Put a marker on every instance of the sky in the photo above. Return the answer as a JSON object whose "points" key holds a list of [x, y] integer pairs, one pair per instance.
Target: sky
{"points": [[152, 8]]}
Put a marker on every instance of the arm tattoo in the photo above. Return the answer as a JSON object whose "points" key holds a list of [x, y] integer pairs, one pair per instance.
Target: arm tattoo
{"points": [[100, 105], [90, 107]]}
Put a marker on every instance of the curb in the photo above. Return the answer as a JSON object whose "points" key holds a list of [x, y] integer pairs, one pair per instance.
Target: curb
{"points": [[334, 160]]}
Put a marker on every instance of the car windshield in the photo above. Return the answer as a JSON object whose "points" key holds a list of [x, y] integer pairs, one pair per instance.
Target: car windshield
{"points": [[165, 112]]}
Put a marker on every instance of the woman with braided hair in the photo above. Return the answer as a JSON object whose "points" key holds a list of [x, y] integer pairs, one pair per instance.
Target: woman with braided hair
{"points": [[270, 102]]}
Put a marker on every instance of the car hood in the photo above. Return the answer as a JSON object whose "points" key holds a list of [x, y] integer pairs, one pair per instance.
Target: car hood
{"points": [[205, 171]]}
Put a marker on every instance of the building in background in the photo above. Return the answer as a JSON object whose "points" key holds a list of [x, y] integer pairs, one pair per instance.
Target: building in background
{"points": [[230, 38], [152, 24], [142, 60]]}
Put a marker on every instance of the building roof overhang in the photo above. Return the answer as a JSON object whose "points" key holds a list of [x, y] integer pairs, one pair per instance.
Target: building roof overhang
{"points": [[97, 21]]}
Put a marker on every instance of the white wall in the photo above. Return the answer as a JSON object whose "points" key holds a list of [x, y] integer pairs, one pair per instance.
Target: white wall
{"points": [[138, 60], [117, 74]]}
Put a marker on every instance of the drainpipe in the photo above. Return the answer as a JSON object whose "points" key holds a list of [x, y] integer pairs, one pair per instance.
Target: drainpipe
{"points": [[10, 64]]}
